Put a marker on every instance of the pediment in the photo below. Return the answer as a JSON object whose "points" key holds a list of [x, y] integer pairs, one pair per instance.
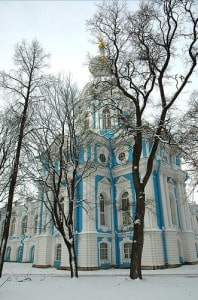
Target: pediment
{"points": [[122, 180], [105, 181], [170, 180]]}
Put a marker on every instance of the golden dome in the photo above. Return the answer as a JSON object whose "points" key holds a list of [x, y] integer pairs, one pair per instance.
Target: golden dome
{"points": [[101, 44]]}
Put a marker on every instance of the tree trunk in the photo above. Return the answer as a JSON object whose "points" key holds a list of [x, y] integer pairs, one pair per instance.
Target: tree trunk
{"points": [[5, 237], [9, 205], [73, 261], [138, 237], [13, 181]]}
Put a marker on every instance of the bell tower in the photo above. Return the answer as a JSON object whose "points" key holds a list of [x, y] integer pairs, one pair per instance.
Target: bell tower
{"points": [[96, 109]]}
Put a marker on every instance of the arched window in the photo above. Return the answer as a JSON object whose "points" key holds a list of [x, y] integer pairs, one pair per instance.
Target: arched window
{"points": [[103, 251], [58, 253], [8, 253], [125, 207], [106, 119], [20, 254], [102, 210], [35, 224], [102, 157], [24, 225], [12, 226], [127, 250], [32, 251]]}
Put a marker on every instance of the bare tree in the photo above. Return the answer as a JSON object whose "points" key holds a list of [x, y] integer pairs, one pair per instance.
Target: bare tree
{"points": [[10, 117], [59, 148], [143, 50], [7, 143], [22, 86], [187, 138]]}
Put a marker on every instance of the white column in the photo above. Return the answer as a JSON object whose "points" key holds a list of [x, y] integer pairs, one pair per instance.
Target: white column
{"points": [[97, 119], [181, 206], [164, 202], [186, 207], [150, 206], [168, 202]]}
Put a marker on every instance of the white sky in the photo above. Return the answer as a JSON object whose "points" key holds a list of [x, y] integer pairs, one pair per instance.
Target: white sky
{"points": [[60, 28], [58, 25]]}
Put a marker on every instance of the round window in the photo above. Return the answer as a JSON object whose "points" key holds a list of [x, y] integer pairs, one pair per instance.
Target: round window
{"points": [[121, 156], [102, 158]]}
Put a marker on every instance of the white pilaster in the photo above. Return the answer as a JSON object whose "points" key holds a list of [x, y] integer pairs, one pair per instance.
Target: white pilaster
{"points": [[164, 202]]}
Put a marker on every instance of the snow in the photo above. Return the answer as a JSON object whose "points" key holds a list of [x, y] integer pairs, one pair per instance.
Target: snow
{"points": [[21, 281], [137, 221]]}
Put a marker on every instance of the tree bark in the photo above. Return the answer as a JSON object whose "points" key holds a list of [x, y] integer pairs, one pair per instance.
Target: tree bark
{"points": [[14, 174], [73, 262], [138, 237], [72, 258], [12, 188]]}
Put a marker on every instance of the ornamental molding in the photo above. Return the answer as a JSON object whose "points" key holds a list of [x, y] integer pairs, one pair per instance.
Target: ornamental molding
{"points": [[122, 181], [104, 181]]}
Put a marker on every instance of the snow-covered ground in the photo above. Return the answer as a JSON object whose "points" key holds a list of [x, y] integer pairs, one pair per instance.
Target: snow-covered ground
{"points": [[22, 282]]}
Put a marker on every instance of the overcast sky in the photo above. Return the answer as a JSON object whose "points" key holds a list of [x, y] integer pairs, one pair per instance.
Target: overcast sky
{"points": [[60, 28], [58, 25]]}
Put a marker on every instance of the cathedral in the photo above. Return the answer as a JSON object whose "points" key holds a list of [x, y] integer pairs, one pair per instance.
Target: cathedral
{"points": [[104, 228]]}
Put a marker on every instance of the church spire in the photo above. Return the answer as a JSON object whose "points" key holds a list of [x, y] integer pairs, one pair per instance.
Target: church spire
{"points": [[100, 65], [101, 46]]}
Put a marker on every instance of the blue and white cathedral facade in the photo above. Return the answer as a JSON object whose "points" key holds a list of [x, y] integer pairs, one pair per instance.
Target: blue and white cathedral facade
{"points": [[104, 222]]}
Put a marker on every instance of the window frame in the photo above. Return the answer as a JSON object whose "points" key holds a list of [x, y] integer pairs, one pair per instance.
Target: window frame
{"points": [[58, 252], [102, 212], [8, 253], [125, 209], [122, 156], [102, 158], [127, 247], [104, 255], [106, 119], [24, 225]]}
